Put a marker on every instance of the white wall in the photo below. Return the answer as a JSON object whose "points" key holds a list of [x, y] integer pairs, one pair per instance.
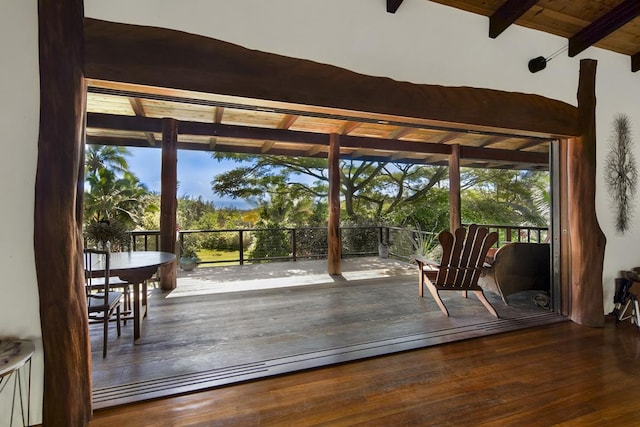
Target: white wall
{"points": [[19, 111], [423, 43]]}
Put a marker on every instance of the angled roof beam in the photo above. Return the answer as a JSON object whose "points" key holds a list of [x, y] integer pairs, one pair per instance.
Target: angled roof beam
{"points": [[507, 14], [393, 5], [635, 62], [287, 121], [138, 109], [603, 26]]}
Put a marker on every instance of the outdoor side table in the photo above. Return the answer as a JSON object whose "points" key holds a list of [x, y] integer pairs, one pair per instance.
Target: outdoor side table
{"points": [[14, 355]]}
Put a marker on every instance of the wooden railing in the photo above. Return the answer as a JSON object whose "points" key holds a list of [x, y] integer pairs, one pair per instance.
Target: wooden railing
{"points": [[291, 244], [517, 233]]}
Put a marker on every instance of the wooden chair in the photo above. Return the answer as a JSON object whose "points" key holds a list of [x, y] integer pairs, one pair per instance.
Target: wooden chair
{"points": [[463, 254], [101, 305]]}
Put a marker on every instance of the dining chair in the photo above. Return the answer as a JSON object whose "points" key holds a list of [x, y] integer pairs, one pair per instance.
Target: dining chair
{"points": [[102, 302]]}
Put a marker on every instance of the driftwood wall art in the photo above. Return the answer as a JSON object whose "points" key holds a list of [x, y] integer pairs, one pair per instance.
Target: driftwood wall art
{"points": [[621, 172]]}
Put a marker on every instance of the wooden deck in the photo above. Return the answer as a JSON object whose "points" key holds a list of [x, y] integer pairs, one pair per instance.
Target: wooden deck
{"points": [[227, 325], [561, 375]]}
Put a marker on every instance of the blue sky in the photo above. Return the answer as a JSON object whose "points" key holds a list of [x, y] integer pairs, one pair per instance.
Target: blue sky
{"points": [[196, 170]]}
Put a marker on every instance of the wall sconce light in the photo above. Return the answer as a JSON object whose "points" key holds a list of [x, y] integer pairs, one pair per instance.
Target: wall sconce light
{"points": [[540, 63]]}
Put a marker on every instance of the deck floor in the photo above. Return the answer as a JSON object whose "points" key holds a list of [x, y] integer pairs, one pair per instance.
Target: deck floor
{"points": [[225, 325]]}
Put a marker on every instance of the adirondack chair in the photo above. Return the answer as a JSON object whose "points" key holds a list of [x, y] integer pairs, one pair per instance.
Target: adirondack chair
{"points": [[463, 254]]}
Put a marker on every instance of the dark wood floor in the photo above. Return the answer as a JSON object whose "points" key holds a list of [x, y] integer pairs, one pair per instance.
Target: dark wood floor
{"points": [[197, 337], [560, 374]]}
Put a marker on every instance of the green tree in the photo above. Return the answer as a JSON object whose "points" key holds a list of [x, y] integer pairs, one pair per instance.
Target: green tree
{"points": [[369, 189], [106, 157]]}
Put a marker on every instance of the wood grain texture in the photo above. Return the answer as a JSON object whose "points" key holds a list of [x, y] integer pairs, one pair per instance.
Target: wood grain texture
{"points": [[562, 374], [334, 253], [57, 217], [455, 205], [168, 58], [169, 199], [587, 239]]}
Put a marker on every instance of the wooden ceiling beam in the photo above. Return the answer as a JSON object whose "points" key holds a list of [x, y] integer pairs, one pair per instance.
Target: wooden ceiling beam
{"points": [[400, 132], [492, 140], [393, 5], [267, 146], [114, 50], [449, 136], [635, 62], [497, 155], [287, 121], [603, 26], [218, 113], [507, 14], [348, 127], [146, 124], [138, 109], [313, 151]]}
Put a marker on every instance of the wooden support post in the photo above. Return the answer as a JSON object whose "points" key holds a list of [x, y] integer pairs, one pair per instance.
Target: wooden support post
{"points": [[58, 215], [587, 242], [334, 250], [169, 200], [455, 210]]}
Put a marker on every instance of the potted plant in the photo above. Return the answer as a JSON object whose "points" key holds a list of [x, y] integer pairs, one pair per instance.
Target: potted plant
{"points": [[188, 256]]}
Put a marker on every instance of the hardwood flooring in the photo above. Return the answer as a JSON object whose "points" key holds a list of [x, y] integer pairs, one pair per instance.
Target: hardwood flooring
{"points": [[203, 335], [561, 374]]}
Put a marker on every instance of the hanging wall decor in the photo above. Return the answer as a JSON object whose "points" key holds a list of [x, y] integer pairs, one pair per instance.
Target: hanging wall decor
{"points": [[621, 173]]}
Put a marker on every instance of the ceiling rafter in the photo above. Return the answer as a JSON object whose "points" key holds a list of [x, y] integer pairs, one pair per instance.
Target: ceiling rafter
{"points": [[400, 132], [393, 5], [492, 140], [603, 26], [287, 121], [138, 109], [316, 141], [449, 136], [507, 14], [635, 62], [218, 113], [348, 127], [267, 146]]}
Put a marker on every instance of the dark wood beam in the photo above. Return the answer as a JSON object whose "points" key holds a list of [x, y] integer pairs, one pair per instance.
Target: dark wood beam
{"points": [[142, 124], [507, 14], [477, 153], [334, 253], [393, 144], [57, 233], [587, 241], [635, 62], [117, 52], [393, 5], [169, 200], [603, 26], [455, 206]]}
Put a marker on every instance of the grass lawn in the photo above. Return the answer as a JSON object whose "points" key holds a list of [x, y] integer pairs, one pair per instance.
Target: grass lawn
{"points": [[208, 255]]}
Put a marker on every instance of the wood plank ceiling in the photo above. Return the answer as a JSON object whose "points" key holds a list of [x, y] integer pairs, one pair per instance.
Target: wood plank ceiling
{"points": [[131, 115], [608, 24]]}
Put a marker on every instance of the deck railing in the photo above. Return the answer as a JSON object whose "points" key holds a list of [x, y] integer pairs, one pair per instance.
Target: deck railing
{"points": [[241, 246]]}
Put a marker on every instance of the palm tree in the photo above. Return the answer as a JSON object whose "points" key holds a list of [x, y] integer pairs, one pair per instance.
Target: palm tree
{"points": [[105, 157]]}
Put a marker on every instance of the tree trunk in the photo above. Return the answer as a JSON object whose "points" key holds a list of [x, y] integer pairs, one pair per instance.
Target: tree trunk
{"points": [[58, 216], [587, 240]]}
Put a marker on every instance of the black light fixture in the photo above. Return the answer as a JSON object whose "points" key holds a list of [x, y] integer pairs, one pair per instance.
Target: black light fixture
{"points": [[540, 63]]}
